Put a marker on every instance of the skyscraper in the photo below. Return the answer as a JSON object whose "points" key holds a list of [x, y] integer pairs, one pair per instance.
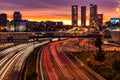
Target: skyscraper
{"points": [[93, 14], [83, 15], [74, 15], [17, 16], [99, 19], [3, 19]]}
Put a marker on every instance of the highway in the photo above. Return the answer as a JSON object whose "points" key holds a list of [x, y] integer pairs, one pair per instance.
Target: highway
{"points": [[77, 45], [56, 65], [88, 45], [13, 60]]}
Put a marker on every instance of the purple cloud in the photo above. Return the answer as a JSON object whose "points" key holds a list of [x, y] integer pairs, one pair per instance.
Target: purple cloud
{"points": [[53, 4], [61, 7]]}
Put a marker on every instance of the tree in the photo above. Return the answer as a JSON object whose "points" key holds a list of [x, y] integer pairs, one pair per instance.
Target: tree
{"points": [[99, 56]]}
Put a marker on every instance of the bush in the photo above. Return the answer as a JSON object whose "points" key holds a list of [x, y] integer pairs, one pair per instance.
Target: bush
{"points": [[116, 65], [99, 57], [117, 77]]}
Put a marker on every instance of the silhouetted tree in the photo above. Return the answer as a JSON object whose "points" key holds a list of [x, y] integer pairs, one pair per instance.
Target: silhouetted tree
{"points": [[99, 56]]}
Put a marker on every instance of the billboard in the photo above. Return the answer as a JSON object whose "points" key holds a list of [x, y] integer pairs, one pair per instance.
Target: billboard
{"points": [[114, 20]]}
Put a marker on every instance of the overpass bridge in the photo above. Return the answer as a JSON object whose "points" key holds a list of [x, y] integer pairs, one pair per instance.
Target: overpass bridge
{"points": [[23, 37]]}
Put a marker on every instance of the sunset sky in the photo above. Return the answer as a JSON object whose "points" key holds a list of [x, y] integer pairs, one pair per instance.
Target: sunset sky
{"points": [[57, 10]]}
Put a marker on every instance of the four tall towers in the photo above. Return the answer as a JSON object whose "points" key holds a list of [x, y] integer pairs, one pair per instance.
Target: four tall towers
{"points": [[95, 18]]}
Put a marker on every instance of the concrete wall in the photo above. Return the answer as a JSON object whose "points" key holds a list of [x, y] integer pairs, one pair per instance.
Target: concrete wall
{"points": [[14, 37], [115, 36]]}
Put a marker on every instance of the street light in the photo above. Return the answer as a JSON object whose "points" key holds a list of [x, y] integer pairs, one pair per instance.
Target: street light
{"points": [[118, 10]]}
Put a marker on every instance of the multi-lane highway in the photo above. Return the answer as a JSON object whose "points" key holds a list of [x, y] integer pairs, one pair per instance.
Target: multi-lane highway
{"points": [[53, 61], [56, 65], [88, 45], [13, 59]]}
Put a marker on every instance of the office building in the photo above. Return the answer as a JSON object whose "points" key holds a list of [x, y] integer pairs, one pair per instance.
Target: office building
{"points": [[3, 19], [17, 16], [74, 15], [99, 19], [83, 15], [93, 14], [53, 26], [49, 25], [17, 26], [59, 24]]}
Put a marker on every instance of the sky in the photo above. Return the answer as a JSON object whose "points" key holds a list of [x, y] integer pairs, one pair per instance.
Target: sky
{"points": [[56, 10]]}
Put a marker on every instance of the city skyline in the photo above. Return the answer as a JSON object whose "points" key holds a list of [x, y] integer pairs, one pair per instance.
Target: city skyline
{"points": [[57, 10]]}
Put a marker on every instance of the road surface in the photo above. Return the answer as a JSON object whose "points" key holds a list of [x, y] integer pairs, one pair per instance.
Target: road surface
{"points": [[13, 60], [56, 65]]}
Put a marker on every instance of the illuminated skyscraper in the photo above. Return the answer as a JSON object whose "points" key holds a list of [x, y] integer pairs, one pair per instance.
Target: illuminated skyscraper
{"points": [[17, 16], [74, 15], [93, 14], [83, 15]]}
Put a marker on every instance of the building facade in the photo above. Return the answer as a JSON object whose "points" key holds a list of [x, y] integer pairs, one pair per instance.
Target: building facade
{"points": [[17, 16], [99, 19], [83, 15], [93, 14], [3, 19], [75, 15], [16, 26]]}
